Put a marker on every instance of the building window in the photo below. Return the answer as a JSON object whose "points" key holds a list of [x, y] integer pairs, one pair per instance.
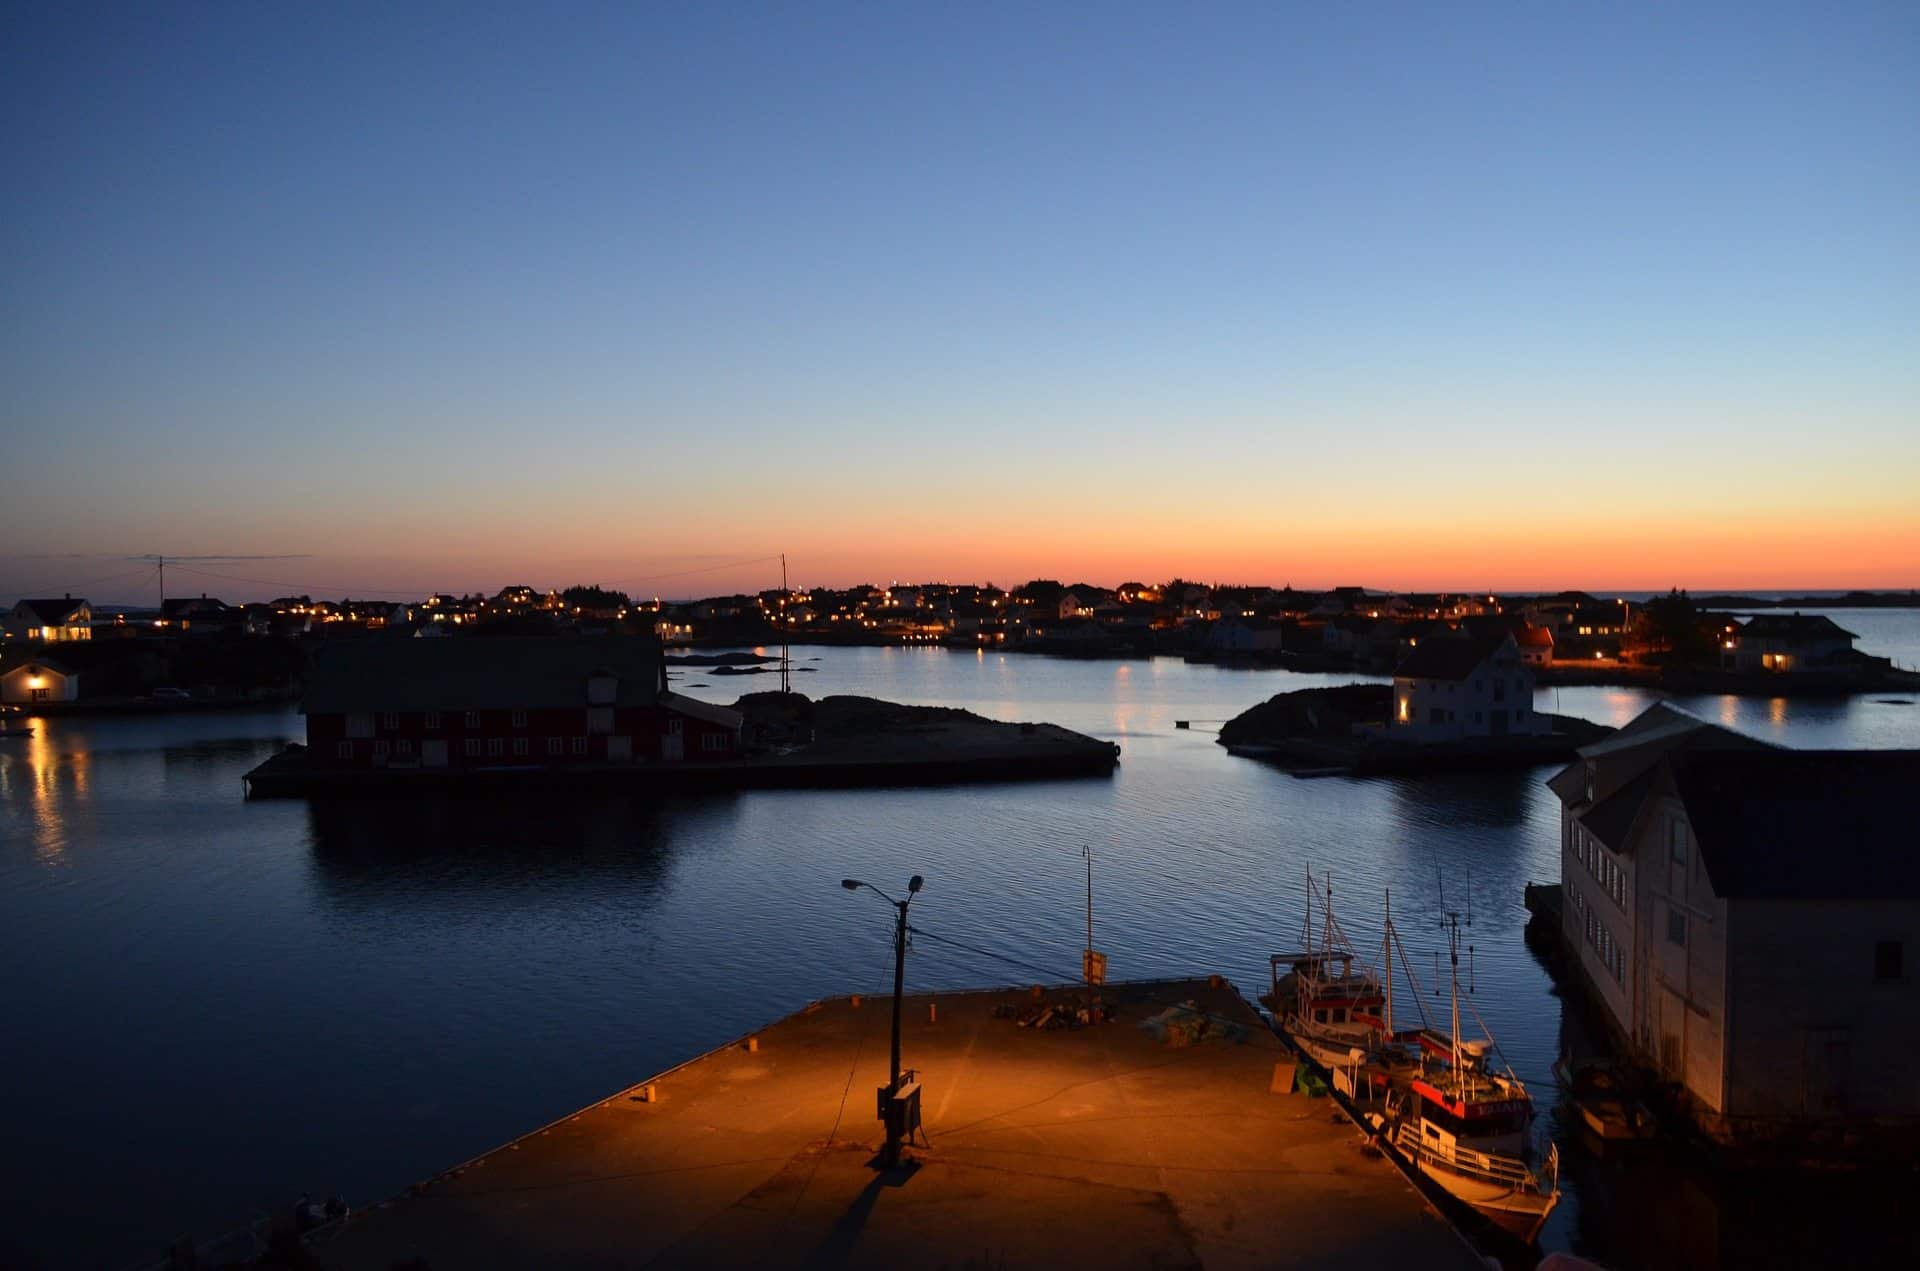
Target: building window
{"points": [[520, 719], [713, 741], [519, 745], [433, 719], [556, 746], [41, 694], [359, 725], [1676, 926], [1677, 841], [390, 720], [471, 747], [403, 747], [344, 750], [381, 749], [674, 727], [473, 719], [1889, 960], [577, 745], [496, 746]]}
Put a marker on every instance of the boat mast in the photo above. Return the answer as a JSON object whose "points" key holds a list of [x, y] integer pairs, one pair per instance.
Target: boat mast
{"points": [[1386, 956], [1453, 958]]}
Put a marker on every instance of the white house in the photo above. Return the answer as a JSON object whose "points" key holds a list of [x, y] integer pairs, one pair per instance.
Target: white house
{"points": [[1461, 686], [1788, 643], [41, 681], [1246, 635], [52, 621], [1748, 916]]}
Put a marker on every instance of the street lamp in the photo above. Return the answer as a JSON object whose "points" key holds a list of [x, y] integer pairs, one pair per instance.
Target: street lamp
{"points": [[889, 1114]]}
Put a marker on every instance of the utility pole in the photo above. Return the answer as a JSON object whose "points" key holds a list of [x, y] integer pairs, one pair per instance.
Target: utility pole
{"points": [[901, 1116], [786, 677]]}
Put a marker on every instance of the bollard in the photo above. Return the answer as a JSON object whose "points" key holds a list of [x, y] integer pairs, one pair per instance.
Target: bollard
{"points": [[649, 1094], [933, 1013], [855, 999], [1038, 992], [1214, 981], [753, 1045]]}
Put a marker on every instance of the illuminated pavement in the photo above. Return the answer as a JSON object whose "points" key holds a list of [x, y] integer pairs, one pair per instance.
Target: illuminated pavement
{"points": [[1098, 1146]]}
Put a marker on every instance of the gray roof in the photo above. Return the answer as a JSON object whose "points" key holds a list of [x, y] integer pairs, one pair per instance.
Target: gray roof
{"points": [[1804, 824], [51, 613], [481, 673], [1450, 657]]}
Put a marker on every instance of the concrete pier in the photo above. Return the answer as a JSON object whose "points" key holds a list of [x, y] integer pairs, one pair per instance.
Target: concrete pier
{"points": [[1102, 1145]]}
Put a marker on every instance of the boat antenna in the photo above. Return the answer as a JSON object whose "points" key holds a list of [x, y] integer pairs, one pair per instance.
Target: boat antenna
{"points": [[1386, 954]]}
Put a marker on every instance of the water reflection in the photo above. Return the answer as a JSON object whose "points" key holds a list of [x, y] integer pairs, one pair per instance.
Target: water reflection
{"points": [[501, 850]]}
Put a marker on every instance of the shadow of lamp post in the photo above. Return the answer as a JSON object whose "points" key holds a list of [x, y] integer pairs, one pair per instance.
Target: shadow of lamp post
{"points": [[892, 1109]]}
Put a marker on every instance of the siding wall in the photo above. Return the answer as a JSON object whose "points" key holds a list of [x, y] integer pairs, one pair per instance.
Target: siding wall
{"points": [[1586, 908], [1814, 1034], [405, 735], [1682, 1021]]}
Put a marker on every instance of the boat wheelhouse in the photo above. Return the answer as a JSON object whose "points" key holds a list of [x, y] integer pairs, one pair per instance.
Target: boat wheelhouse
{"points": [[1326, 1000]]}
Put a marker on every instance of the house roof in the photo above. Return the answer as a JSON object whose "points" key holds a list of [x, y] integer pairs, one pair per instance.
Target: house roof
{"points": [[1637, 747], [693, 706], [1804, 626], [1449, 658], [496, 673], [51, 613], [1611, 820], [42, 664], [1531, 637], [1804, 824]]}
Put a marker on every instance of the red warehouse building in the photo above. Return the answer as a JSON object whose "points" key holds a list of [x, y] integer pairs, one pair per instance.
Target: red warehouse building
{"points": [[506, 702]]}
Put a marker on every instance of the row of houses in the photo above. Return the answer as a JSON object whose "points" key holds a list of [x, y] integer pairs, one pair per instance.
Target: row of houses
{"points": [[1746, 918]]}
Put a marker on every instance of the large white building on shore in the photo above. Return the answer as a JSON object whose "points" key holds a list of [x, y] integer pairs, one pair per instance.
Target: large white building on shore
{"points": [[1747, 916]]}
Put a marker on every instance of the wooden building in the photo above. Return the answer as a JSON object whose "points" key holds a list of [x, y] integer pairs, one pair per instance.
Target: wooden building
{"points": [[1748, 916], [508, 701]]}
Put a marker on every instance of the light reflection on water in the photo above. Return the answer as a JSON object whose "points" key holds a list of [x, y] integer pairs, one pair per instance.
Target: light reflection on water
{"points": [[349, 995]]}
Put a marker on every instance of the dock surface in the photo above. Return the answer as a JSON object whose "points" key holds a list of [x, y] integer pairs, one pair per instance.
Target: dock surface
{"points": [[1104, 1145]]}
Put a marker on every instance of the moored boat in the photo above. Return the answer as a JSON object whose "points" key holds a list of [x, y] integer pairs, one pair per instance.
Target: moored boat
{"points": [[1467, 1127], [1325, 1000]]}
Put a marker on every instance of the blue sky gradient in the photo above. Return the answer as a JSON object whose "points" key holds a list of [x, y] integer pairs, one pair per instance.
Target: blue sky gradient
{"points": [[460, 294]]}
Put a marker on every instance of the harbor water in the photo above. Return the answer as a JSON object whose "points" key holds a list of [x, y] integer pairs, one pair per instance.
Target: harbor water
{"points": [[215, 1005]]}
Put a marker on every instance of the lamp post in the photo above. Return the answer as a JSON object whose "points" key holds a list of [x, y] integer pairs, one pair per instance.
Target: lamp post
{"points": [[891, 1157]]}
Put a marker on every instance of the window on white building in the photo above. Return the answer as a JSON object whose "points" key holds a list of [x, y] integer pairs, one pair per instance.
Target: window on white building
{"points": [[577, 745], [1676, 927], [496, 746], [1677, 840]]}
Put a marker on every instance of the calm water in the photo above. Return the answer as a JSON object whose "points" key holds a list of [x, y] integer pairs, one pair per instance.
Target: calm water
{"points": [[214, 1005]]}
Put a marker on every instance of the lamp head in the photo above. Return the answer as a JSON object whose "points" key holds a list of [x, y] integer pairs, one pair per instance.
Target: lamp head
{"points": [[915, 883], [851, 884]]}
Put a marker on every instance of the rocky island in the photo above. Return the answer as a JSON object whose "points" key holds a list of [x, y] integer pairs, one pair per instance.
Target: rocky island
{"points": [[1327, 731]]}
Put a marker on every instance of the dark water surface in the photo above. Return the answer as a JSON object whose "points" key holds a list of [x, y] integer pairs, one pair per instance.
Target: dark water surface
{"points": [[214, 1005]]}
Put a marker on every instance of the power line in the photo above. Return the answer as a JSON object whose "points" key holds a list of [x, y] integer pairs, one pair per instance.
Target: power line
{"points": [[71, 587]]}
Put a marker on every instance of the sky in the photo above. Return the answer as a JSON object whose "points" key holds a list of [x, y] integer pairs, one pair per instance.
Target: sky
{"points": [[421, 296]]}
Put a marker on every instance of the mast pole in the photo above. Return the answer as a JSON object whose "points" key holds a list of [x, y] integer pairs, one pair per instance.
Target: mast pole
{"points": [[1386, 957]]}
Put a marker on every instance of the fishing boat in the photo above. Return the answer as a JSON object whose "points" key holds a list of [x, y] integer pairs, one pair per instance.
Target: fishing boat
{"points": [[1325, 1001], [1466, 1126]]}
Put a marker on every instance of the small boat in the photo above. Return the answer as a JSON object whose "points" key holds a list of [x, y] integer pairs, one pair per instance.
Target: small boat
{"points": [[1594, 1091], [1328, 1005], [13, 724]]}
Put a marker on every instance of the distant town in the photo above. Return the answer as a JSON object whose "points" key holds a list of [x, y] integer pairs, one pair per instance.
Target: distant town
{"points": [[66, 649]]}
